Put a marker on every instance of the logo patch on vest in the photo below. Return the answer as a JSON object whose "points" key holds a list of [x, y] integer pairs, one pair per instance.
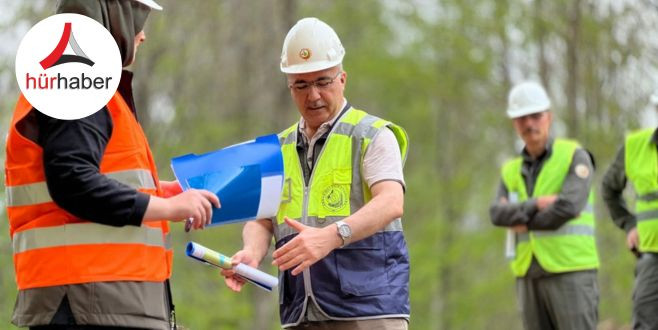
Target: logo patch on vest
{"points": [[334, 197], [582, 171]]}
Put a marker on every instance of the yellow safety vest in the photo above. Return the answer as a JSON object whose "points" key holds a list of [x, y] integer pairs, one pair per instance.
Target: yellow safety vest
{"points": [[335, 188], [572, 246], [370, 277], [641, 162]]}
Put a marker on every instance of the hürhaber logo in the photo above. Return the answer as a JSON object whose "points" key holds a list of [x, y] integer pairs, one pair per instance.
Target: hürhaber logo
{"points": [[68, 66]]}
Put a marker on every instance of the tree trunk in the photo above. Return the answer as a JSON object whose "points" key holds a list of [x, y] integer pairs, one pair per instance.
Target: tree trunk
{"points": [[572, 76], [540, 34]]}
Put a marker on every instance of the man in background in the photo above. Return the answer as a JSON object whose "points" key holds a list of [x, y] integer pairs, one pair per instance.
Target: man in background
{"points": [[543, 201], [637, 162]]}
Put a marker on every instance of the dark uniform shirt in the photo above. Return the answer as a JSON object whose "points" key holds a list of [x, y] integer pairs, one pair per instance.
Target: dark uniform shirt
{"points": [[613, 186], [303, 146], [571, 200]]}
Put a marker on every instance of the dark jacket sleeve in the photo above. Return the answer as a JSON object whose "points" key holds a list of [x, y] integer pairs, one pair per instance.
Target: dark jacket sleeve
{"points": [[612, 189], [572, 198], [72, 153], [506, 213]]}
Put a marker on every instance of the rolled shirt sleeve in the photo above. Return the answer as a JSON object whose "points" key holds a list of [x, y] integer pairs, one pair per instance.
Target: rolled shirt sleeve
{"points": [[382, 160]]}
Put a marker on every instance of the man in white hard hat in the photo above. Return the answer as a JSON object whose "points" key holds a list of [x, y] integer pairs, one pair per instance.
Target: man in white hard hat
{"points": [[340, 249], [544, 201], [637, 162], [85, 205]]}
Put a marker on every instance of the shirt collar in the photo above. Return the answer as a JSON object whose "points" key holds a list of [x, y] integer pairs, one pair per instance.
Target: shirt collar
{"points": [[547, 152], [330, 122], [654, 137], [325, 128]]}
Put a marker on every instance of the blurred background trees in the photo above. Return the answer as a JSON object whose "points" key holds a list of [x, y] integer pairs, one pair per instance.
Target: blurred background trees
{"points": [[208, 76]]}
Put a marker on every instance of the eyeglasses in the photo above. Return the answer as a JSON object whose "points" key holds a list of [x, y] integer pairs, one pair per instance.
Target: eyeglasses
{"points": [[533, 116], [321, 83]]}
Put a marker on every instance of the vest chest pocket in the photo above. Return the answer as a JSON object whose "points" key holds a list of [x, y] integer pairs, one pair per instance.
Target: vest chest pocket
{"points": [[361, 267], [334, 193]]}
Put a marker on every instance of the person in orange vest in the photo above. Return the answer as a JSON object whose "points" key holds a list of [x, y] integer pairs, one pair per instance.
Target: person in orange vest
{"points": [[85, 205]]}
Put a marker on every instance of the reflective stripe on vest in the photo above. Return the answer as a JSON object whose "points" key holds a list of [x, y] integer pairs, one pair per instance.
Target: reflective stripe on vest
{"points": [[572, 246], [37, 193], [641, 163], [53, 247], [567, 229], [647, 215], [357, 274], [652, 196], [86, 233], [284, 231]]}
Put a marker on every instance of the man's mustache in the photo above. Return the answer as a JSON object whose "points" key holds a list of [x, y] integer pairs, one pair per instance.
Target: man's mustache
{"points": [[317, 105], [530, 130]]}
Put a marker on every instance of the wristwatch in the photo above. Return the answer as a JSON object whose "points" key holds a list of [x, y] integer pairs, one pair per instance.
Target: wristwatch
{"points": [[344, 232]]}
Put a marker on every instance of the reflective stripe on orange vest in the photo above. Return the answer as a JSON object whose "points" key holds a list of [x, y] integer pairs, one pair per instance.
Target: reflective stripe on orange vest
{"points": [[85, 233], [37, 193]]}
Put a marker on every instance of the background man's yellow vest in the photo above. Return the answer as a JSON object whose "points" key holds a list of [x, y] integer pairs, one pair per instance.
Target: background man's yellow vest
{"points": [[569, 248], [641, 162]]}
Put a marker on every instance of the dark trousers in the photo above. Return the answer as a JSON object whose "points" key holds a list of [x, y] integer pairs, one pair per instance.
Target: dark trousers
{"points": [[566, 301], [645, 293], [376, 324]]}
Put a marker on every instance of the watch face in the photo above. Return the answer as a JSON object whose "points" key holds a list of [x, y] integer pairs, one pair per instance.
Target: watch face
{"points": [[345, 231]]}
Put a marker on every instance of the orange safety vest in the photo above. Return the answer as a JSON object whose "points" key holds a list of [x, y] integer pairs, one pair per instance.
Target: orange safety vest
{"points": [[53, 247]]}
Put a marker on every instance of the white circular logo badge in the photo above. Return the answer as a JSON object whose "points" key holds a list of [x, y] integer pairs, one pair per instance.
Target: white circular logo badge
{"points": [[582, 171], [68, 66]]}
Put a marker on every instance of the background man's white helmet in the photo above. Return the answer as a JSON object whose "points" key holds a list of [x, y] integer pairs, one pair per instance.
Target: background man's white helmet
{"points": [[150, 3], [527, 98], [311, 45]]}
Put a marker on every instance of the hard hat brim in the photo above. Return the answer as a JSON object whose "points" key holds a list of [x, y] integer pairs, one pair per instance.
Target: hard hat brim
{"points": [[527, 111], [310, 67]]}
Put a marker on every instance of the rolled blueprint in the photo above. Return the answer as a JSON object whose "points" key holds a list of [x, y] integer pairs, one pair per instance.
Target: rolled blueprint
{"points": [[510, 239], [510, 245], [261, 279]]}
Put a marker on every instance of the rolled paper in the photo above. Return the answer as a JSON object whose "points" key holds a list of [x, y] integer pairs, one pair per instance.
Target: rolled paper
{"points": [[257, 277], [261, 279], [201, 253]]}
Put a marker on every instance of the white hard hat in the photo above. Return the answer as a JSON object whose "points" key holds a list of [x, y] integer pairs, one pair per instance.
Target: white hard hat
{"points": [[527, 98], [150, 3], [311, 45]]}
